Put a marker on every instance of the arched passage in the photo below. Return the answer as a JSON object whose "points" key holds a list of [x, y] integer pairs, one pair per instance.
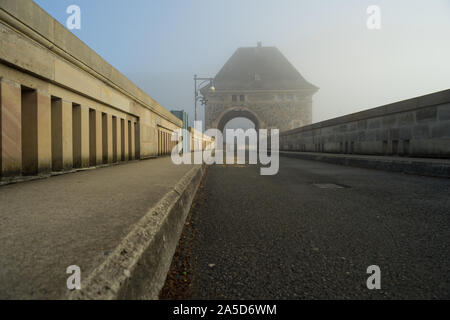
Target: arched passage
{"points": [[238, 113]]}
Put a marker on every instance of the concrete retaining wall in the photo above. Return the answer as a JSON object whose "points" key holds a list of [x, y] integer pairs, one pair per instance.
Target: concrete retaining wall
{"points": [[418, 127]]}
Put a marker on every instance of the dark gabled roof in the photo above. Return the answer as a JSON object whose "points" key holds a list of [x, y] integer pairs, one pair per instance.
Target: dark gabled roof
{"points": [[260, 68]]}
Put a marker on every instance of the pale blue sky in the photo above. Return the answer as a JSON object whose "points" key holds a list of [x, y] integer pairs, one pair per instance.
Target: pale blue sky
{"points": [[161, 44]]}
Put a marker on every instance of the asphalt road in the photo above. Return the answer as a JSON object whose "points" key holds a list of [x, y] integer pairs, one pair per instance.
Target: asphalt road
{"points": [[282, 237]]}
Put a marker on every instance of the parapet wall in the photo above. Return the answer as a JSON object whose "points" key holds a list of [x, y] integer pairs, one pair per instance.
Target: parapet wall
{"points": [[61, 105], [418, 127]]}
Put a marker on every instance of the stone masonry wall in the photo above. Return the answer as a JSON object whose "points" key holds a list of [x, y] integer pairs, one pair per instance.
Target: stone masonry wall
{"points": [[280, 110], [418, 127]]}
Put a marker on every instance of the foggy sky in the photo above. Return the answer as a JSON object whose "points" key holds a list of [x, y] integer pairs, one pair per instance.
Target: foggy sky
{"points": [[161, 44]]}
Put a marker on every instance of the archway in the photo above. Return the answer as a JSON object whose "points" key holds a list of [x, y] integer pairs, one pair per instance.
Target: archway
{"points": [[250, 120], [233, 113]]}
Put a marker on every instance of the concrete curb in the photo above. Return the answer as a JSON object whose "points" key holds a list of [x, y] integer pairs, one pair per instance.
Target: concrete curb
{"points": [[138, 266], [424, 167]]}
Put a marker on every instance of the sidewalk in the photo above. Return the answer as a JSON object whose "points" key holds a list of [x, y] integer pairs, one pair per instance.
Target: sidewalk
{"points": [[78, 219], [419, 166]]}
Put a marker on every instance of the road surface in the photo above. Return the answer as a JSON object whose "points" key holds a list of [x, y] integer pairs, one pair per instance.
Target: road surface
{"points": [[296, 236]]}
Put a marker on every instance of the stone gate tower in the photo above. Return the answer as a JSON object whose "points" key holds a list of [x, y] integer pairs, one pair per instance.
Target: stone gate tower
{"points": [[260, 84]]}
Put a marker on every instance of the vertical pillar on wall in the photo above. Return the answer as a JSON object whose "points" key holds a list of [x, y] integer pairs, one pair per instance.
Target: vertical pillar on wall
{"points": [[99, 137], [104, 138], [163, 146], [119, 140], [95, 137], [80, 124], [10, 128], [167, 143], [122, 140], [132, 141], [127, 140], [62, 134], [109, 132], [137, 140], [115, 155], [159, 142], [164, 143], [36, 132], [92, 137]]}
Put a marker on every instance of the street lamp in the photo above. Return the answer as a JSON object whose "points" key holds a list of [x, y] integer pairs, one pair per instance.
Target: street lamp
{"points": [[197, 95]]}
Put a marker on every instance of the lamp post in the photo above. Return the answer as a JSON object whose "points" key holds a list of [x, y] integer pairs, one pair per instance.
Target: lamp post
{"points": [[197, 95]]}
